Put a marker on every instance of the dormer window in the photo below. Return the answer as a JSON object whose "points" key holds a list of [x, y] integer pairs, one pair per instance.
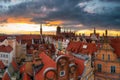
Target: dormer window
{"points": [[84, 46]]}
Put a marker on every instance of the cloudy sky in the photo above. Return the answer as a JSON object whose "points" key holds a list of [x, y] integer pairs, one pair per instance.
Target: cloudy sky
{"points": [[26, 15]]}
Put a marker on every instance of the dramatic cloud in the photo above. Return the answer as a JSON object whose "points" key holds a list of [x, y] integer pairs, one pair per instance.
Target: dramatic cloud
{"points": [[68, 13]]}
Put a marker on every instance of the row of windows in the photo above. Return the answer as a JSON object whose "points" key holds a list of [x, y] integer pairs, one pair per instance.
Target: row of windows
{"points": [[4, 55], [104, 56], [113, 68]]}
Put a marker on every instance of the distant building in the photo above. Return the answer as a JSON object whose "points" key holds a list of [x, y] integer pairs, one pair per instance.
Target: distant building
{"points": [[65, 34], [94, 36]]}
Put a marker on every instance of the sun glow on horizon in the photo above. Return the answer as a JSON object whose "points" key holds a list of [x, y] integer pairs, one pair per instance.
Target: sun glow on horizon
{"points": [[18, 28], [110, 32]]}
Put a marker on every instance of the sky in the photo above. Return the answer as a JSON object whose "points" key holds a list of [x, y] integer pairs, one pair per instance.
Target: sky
{"points": [[25, 16]]}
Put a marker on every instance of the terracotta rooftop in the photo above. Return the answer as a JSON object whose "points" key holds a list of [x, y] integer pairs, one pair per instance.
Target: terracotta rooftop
{"points": [[48, 62], [4, 48], [115, 43], [83, 48], [27, 37], [2, 66], [26, 77], [6, 76], [15, 66]]}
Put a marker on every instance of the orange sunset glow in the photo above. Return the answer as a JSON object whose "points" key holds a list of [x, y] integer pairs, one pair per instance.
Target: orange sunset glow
{"points": [[19, 20]]}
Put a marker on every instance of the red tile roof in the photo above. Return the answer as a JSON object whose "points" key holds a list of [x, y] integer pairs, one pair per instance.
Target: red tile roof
{"points": [[115, 43], [48, 62], [74, 46], [27, 67], [2, 38], [6, 76], [2, 66], [4, 48], [27, 37], [22, 69], [26, 77], [80, 65], [77, 47], [15, 66]]}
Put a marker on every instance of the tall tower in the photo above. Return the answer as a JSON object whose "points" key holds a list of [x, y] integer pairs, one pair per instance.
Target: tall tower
{"points": [[106, 36], [58, 30], [94, 30]]}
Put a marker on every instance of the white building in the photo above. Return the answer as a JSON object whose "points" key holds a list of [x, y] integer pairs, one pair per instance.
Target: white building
{"points": [[6, 54]]}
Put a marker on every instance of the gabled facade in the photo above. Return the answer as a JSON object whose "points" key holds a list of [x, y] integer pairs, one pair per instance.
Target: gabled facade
{"points": [[107, 64]]}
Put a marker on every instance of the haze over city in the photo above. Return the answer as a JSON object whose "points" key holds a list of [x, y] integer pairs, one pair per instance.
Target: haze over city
{"points": [[25, 16]]}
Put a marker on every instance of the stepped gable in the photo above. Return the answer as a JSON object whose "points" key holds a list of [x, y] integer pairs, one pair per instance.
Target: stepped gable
{"points": [[79, 62]]}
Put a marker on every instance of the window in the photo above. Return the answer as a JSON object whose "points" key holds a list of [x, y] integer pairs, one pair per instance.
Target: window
{"points": [[108, 57], [112, 69], [6, 56], [84, 46], [62, 73], [103, 57], [99, 67]]}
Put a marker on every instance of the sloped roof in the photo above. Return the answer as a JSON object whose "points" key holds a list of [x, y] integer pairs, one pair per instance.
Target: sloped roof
{"points": [[48, 62], [7, 49], [27, 37], [81, 47], [6, 76], [26, 77], [80, 65], [14, 64], [2, 66], [115, 43], [22, 68]]}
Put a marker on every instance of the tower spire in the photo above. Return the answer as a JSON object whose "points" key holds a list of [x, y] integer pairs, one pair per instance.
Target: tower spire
{"points": [[106, 36], [94, 30], [41, 29]]}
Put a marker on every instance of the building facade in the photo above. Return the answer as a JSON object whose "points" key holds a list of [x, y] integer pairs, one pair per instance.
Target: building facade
{"points": [[107, 64]]}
